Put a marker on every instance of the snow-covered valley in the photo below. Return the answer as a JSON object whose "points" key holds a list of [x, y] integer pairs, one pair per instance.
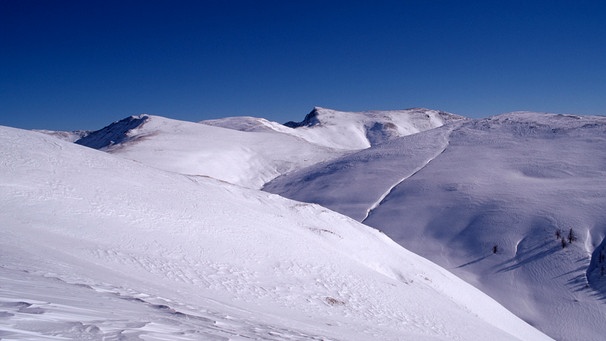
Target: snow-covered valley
{"points": [[164, 233], [492, 200]]}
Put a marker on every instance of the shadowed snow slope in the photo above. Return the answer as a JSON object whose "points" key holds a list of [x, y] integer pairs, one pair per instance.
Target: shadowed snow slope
{"points": [[485, 199], [116, 133], [347, 130], [353, 184], [98, 247], [248, 159]]}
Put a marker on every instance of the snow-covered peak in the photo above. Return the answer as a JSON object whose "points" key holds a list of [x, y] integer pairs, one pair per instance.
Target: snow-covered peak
{"points": [[251, 151], [310, 119], [359, 130], [246, 158], [115, 133], [346, 130], [69, 136]]}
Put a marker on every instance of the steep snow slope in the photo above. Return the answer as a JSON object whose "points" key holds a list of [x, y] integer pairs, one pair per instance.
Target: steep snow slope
{"points": [[97, 247], [248, 159], [510, 181], [347, 130], [115, 134]]}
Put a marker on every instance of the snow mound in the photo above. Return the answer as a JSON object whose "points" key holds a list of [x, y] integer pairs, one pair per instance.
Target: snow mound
{"points": [[485, 199], [98, 247]]}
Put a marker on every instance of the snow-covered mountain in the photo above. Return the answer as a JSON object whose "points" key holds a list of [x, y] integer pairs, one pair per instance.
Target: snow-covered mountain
{"points": [[487, 200], [248, 159], [250, 151], [70, 136], [347, 130], [95, 246]]}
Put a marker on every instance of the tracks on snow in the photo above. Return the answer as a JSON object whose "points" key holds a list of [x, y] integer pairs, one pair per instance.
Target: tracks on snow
{"points": [[390, 190]]}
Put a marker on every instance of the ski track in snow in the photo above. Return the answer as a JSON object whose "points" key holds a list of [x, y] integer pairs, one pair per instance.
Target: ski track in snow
{"points": [[384, 196], [509, 180]]}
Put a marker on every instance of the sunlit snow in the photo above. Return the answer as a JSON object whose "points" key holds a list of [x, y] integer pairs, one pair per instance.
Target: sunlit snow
{"points": [[95, 246], [485, 198]]}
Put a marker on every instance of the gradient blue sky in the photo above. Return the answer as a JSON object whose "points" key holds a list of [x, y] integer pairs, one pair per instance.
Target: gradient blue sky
{"points": [[68, 65]]}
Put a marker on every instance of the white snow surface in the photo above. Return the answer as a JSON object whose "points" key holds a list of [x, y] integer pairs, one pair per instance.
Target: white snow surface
{"points": [[249, 151], [347, 130], [248, 123], [98, 247], [248, 159], [70, 136], [451, 194], [355, 183]]}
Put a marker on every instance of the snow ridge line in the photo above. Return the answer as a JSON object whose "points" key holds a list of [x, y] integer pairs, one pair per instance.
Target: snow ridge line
{"points": [[391, 189]]}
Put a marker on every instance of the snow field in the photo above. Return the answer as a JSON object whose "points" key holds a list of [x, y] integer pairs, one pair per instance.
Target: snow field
{"points": [[511, 181], [110, 248]]}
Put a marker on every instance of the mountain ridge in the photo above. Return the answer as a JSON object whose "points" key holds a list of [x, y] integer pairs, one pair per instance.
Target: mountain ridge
{"points": [[257, 150], [350, 130], [116, 133]]}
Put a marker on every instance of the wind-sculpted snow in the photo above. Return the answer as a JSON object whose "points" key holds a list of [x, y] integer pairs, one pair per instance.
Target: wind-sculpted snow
{"points": [[489, 208], [98, 247]]}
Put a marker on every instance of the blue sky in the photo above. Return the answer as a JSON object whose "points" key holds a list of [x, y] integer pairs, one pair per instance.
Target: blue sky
{"points": [[68, 65]]}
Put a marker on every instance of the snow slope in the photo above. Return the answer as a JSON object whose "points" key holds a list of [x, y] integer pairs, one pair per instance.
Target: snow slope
{"points": [[98, 247], [452, 194], [347, 130], [355, 183], [248, 159], [250, 151], [70, 136]]}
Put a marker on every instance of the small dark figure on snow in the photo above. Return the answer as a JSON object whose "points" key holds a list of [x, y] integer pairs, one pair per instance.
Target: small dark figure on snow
{"points": [[571, 236]]}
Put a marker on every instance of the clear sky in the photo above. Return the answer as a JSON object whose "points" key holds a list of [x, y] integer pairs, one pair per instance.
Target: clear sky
{"points": [[82, 64]]}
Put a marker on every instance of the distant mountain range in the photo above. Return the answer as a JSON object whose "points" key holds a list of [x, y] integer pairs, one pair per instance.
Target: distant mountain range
{"points": [[513, 204]]}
